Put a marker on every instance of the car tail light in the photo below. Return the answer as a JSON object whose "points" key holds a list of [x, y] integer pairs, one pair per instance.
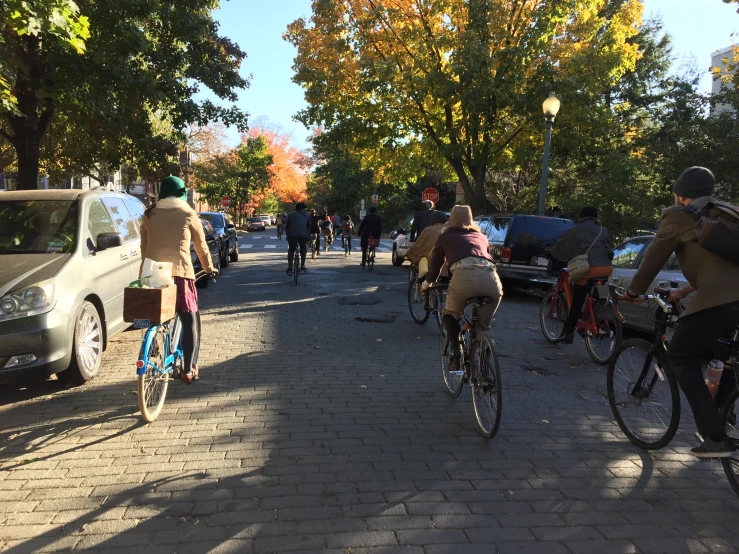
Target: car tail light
{"points": [[505, 254]]}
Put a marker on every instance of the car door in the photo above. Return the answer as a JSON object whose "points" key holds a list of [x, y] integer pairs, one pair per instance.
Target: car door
{"points": [[625, 256], [111, 267]]}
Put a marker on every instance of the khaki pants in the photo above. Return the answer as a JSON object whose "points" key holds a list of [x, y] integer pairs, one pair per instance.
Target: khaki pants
{"points": [[469, 282]]}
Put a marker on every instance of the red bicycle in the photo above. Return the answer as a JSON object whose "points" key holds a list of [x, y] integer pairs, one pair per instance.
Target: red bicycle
{"points": [[600, 328]]}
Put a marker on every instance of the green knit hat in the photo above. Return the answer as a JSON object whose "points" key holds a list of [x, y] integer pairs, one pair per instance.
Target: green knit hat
{"points": [[172, 186]]}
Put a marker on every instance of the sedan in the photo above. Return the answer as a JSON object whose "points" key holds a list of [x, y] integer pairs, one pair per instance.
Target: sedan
{"points": [[215, 248], [227, 231], [256, 224], [626, 260]]}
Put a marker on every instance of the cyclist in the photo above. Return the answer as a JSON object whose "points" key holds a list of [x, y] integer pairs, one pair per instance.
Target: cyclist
{"points": [[315, 228], [278, 222], [336, 222], [421, 219], [371, 226], [166, 226], [327, 229], [713, 312], [297, 230], [465, 250], [427, 239], [587, 236], [346, 232]]}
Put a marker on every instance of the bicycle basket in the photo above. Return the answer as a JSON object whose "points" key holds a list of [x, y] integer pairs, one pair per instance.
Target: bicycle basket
{"points": [[373, 242]]}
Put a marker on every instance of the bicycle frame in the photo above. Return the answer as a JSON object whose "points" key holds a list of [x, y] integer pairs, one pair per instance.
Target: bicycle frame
{"points": [[586, 323], [171, 336]]}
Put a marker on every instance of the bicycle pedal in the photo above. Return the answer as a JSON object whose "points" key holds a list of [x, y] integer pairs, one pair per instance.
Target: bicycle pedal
{"points": [[457, 373]]}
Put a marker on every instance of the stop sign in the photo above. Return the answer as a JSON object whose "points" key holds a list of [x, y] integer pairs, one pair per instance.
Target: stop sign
{"points": [[225, 201], [430, 194]]}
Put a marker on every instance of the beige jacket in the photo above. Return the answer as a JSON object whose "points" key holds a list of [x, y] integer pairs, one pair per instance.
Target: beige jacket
{"points": [[424, 244], [166, 235], [714, 278]]}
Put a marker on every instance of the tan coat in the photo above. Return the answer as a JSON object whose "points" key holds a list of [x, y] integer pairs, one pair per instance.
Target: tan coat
{"points": [[166, 235], [716, 280], [424, 244]]}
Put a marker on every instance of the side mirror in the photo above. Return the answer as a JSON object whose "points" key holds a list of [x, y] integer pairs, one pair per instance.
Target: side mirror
{"points": [[108, 240], [230, 226]]}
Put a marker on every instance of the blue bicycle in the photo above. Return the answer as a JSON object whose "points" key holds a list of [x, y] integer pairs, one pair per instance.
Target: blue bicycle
{"points": [[161, 359]]}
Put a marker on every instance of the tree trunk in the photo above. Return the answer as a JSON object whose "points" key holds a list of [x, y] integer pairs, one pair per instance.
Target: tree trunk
{"points": [[473, 190], [28, 162]]}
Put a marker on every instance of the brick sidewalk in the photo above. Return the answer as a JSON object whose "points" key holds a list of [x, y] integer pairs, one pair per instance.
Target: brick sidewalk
{"points": [[313, 432]]}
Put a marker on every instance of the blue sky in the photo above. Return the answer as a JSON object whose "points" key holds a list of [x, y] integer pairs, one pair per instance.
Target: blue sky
{"points": [[698, 27]]}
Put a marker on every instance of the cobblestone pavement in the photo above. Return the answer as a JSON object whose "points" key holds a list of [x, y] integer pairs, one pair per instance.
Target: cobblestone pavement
{"points": [[311, 431]]}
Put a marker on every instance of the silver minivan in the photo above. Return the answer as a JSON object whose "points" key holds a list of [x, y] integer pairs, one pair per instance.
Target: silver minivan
{"points": [[65, 258]]}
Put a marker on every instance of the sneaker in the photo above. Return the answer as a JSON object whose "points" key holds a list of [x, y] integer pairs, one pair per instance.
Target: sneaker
{"points": [[289, 271], [303, 269], [361, 265], [713, 449]]}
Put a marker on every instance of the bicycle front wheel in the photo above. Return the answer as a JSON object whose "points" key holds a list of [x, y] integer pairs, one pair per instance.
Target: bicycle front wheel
{"points": [[453, 380], [552, 315], [643, 395], [487, 393], [728, 416], [602, 345], [437, 301], [417, 304], [154, 382]]}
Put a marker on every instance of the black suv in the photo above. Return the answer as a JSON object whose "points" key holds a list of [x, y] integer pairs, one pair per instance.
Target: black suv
{"points": [[520, 245], [227, 231]]}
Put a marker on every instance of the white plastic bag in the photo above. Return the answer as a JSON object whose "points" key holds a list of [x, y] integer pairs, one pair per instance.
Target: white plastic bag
{"points": [[156, 274]]}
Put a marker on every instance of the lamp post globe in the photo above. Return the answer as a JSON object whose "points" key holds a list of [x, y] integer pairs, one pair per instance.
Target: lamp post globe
{"points": [[551, 108]]}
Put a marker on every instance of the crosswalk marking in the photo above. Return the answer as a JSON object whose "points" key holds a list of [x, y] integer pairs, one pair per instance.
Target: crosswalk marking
{"points": [[270, 246]]}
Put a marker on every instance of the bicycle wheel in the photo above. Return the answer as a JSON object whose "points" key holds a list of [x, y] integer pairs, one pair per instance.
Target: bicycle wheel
{"points": [[437, 301], [154, 382], [417, 304], [487, 392], [371, 258], [602, 346], [453, 380], [644, 397], [296, 265], [552, 325], [728, 416]]}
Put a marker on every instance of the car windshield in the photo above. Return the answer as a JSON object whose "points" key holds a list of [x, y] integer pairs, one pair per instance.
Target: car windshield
{"points": [[215, 219], [38, 226], [255, 220]]}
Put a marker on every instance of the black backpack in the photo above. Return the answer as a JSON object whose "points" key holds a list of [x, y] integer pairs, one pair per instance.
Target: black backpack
{"points": [[717, 229]]}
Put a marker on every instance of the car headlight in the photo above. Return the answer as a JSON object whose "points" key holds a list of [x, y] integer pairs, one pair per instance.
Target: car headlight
{"points": [[33, 300]]}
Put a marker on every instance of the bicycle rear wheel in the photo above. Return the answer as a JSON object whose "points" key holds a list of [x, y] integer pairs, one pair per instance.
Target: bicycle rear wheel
{"points": [[552, 326], [487, 392], [371, 258], [153, 384], [453, 381], [296, 264], [417, 304], [602, 346], [728, 416], [644, 397]]}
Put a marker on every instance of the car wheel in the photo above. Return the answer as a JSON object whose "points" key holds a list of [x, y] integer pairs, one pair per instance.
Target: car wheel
{"points": [[234, 256], [87, 346], [224, 257], [397, 260]]}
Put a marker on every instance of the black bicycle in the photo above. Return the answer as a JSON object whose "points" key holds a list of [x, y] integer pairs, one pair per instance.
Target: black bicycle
{"points": [[422, 305], [478, 366], [372, 244], [644, 394]]}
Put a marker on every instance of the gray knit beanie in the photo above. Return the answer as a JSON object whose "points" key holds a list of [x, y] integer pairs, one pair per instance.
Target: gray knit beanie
{"points": [[695, 182]]}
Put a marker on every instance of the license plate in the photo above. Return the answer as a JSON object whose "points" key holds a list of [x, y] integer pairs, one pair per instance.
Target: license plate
{"points": [[542, 261], [141, 323]]}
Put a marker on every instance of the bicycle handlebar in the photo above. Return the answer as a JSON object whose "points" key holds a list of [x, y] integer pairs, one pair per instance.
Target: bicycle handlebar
{"points": [[659, 293], [200, 274]]}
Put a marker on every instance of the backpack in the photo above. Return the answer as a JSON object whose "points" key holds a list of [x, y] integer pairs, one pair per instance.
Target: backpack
{"points": [[348, 227], [717, 229]]}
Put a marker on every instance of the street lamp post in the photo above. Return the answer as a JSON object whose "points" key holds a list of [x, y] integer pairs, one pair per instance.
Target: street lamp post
{"points": [[551, 107]]}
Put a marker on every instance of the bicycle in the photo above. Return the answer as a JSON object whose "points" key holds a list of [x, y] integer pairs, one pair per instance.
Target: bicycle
{"points": [[296, 263], [159, 358], [347, 245], [602, 331], [479, 365], [279, 232], [372, 244], [641, 391], [423, 305]]}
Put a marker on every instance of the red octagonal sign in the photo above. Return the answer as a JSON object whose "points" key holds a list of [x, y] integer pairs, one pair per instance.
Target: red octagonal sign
{"points": [[225, 201], [430, 194]]}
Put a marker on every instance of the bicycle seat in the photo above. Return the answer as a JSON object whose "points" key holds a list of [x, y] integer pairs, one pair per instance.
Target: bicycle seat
{"points": [[479, 300]]}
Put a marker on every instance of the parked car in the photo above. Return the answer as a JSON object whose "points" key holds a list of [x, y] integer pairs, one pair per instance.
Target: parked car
{"points": [[225, 229], [627, 257], [266, 218], [256, 224], [215, 246], [65, 258], [520, 245]]}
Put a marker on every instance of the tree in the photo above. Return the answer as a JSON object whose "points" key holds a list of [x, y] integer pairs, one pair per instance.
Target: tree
{"points": [[464, 77], [142, 59]]}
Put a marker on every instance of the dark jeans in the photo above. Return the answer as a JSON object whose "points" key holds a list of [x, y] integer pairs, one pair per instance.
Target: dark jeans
{"points": [[292, 244], [189, 338], [579, 294], [691, 345]]}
